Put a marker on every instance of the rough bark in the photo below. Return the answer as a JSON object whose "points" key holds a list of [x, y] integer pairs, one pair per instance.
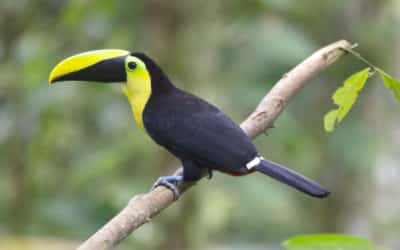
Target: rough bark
{"points": [[142, 207]]}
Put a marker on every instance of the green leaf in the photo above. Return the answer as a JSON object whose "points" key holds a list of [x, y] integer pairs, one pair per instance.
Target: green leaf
{"points": [[345, 97], [329, 242], [391, 83], [330, 120]]}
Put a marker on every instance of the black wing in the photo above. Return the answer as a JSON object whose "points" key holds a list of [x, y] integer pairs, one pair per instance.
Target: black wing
{"points": [[194, 129]]}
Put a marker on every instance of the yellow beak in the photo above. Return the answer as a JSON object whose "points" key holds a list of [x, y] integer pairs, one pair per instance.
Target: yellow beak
{"points": [[107, 65]]}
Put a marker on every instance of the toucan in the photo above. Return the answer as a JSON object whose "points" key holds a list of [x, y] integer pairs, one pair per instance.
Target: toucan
{"points": [[201, 136]]}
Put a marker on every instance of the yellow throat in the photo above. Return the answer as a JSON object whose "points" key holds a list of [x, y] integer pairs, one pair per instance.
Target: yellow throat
{"points": [[138, 90]]}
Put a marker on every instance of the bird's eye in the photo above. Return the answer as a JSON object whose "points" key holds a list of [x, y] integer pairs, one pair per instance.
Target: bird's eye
{"points": [[132, 65]]}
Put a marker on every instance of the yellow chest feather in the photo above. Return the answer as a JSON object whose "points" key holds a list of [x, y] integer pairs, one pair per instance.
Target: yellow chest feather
{"points": [[138, 91]]}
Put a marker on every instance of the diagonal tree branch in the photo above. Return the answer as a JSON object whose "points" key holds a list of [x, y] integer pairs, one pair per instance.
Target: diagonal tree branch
{"points": [[142, 207]]}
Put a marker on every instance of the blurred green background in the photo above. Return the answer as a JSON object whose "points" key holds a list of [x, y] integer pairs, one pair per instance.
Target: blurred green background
{"points": [[71, 155]]}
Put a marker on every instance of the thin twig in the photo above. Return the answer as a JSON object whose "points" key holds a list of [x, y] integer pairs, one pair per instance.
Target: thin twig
{"points": [[143, 207], [360, 57]]}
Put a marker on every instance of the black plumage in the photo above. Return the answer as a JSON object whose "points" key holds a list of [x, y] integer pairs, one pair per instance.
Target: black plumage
{"points": [[194, 130]]}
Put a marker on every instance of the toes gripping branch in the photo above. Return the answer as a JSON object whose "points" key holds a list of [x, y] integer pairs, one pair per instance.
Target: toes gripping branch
{"points": [[170, 183]]}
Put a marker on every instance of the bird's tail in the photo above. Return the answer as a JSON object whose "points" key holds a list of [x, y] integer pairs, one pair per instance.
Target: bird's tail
{"points": [[290, 178]]}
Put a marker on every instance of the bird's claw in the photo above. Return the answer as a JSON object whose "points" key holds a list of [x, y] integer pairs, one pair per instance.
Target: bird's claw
{"points": [[170, 183]]}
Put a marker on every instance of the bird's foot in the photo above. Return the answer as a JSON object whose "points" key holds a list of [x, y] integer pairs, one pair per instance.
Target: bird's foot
{"points": [[170, 183]]}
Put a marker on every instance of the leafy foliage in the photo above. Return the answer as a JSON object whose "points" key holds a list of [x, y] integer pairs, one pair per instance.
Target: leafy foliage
{"points": [[345, 97], [329, 242], [391, 83]]}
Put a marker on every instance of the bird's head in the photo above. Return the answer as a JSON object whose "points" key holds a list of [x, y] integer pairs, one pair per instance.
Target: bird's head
{"points": [[140, 76]]}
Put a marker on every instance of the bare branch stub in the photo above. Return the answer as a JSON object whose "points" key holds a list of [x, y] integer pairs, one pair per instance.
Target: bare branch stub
{"points": [[143, 207]]}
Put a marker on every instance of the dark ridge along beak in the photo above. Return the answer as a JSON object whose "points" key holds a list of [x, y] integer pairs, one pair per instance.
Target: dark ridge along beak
{"points": [[106, 66]]}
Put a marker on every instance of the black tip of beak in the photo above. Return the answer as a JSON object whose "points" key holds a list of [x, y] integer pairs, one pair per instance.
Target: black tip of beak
{"points": [[107, 71]]}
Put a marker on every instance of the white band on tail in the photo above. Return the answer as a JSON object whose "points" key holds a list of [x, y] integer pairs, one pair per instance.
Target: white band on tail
{"points": [[251, 164]]}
